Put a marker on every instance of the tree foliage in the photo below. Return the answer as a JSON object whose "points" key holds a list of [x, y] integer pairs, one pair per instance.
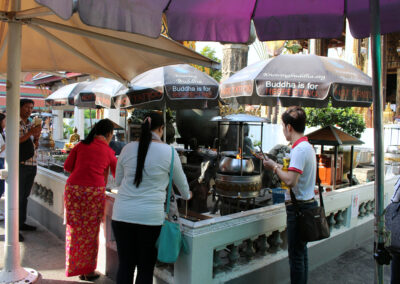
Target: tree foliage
{"points": [[210, 53], [345, 118]]}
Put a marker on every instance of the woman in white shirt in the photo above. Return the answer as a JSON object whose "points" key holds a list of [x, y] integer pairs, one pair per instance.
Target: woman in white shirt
{"points": [[142, 176], [2, 155]]}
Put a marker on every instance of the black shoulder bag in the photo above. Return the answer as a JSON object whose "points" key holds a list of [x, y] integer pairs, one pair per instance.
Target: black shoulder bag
{"points": [[312, 222], [26, 150]]}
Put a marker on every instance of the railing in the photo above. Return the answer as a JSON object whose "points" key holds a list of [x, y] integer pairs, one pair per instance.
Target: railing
{"points": [[232, 246], [242, 243]]}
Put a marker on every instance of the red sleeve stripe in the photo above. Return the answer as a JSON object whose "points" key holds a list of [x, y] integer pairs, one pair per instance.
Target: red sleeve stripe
{"points": [[295, 170]]}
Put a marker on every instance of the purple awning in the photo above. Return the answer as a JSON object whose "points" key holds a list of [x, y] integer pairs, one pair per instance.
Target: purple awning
{"points": [[230, 20], [288, 19], [210, 20], [358, 15], [133, 16]]}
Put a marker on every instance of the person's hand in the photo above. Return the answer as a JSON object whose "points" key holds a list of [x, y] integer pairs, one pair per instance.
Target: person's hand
{"points": [[190, 194], [268, 163], [3, 148], [35, 131]]}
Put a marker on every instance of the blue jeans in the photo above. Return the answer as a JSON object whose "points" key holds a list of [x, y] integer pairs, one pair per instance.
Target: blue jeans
{"points": [[298, 258]]}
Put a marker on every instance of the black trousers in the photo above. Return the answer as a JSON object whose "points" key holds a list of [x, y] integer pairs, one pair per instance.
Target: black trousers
{"points": [[26, 177], [136, 248]]}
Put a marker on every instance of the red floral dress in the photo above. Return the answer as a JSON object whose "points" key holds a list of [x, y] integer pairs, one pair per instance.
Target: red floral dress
{"points": [[84, 212]]}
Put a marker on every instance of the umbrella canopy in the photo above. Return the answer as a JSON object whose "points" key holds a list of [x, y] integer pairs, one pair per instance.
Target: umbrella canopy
{"points": [[98, 93], [33, 39], [63, 98], [306, 80], [52, 44], [176, 86], [230, 20]]}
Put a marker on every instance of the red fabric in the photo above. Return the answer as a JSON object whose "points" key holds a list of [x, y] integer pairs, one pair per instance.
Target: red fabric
{"points": [[295, 170], [304, 138], [84, 211], [87, 163]]}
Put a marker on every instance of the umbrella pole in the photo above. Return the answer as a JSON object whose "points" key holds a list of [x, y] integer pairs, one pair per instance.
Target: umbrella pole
{"points": [[12, 271], [165, 121], [378, 134]]}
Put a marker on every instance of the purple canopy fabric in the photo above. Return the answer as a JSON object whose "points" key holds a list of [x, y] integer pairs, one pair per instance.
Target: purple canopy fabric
{"points": [[229, 20], [64, 9], [358, 14], [134, 16], [288, 19], [210, 20]]}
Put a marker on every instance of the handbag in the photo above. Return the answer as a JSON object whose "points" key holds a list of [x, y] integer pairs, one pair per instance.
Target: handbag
{"points": [[170, 241], [26, 150], [392, 224], [313, 225]]}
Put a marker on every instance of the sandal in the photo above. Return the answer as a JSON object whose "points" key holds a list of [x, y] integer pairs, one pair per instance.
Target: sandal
{"points": [[89, 277]]}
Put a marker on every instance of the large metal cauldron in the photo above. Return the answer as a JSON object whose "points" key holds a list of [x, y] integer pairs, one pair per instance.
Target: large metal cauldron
{"points": [[196, 124], [237, 186]]}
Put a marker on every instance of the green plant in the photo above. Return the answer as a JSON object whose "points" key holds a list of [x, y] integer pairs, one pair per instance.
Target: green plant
{"points": [[90, 112], [210, 53], [345, 118], [68, 129]]}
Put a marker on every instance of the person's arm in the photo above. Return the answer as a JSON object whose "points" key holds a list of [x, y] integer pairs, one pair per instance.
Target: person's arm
{"points": [[3, 144], [33, 131], [106, 173], [113, 163], [119, 172], [289, 177], [70, 161], [179, 178]]}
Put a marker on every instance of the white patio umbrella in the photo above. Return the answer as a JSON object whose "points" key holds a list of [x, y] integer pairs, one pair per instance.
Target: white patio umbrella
{"points": [[63, 98], [35, 40], [98, 93]]}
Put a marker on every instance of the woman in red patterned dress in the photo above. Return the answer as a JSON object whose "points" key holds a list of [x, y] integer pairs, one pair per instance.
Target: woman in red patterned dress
{"points": [[89, 163]]}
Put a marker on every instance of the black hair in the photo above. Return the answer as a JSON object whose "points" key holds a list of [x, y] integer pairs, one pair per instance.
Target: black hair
{"points": [[2, 117], [153, 121], [26, 101], [102, 127], [296, 117]]}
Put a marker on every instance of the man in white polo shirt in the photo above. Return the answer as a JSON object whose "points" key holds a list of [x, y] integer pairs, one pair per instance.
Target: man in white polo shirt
{"points": [[300, 177]]}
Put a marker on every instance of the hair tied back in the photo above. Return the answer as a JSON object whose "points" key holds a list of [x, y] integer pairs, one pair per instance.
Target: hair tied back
{"points": [[148, 118]]}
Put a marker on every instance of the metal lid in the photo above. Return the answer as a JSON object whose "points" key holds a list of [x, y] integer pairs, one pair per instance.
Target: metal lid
{"points": [[240, 117]]}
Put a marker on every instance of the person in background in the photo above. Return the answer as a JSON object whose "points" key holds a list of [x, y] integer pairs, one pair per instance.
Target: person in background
{"points": [[2, 155], [27, 168], [138, 213], [89, 163], [248, 146], [300, 177]]}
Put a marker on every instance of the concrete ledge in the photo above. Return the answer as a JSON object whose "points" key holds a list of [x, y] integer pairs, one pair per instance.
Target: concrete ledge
{"points": [[46, 218], [319, 253]]}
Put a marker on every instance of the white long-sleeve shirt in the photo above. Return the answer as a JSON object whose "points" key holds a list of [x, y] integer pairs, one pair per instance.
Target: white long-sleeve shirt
{"points": [[2, 142], [145, 204]]}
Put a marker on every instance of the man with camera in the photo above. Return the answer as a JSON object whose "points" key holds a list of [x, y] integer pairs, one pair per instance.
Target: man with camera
{"points": [[29, 134]]}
